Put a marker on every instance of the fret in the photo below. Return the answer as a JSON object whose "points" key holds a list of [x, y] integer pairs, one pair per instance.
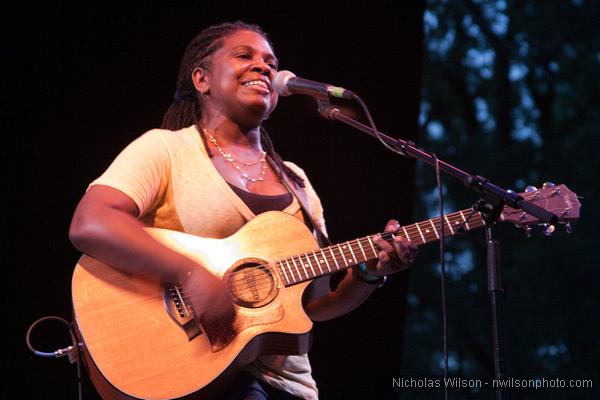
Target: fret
{"points": [[426, 230], [320, 261], [420, 233], [465, 220], [351, 252], [337, 266], [301, 266], [362, 250], [296, 266], [343, 256], [311, 267], [326, 262], [304, 265], [372, 246], [323, 261], [406, 235], [434, 230], [282, 267], [456, 220], [290, 270], [449, 224]]}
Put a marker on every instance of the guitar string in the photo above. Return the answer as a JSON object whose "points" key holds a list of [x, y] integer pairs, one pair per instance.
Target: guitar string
{"points": [[424, 233], [411, 230], [259, 280], [302, 265], [354, 245]]}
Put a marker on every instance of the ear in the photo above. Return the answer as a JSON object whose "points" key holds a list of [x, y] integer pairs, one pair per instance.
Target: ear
{"points": [[200, 79]]}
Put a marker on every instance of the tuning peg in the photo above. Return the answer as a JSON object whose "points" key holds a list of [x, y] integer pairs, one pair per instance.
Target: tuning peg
{"points": [[547, 185], [568, 228], [530, 189], [548, 229], [527, 230]]}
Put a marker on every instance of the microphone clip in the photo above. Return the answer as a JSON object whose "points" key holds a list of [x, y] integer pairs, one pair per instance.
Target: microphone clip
{"points": [[325, 108]]}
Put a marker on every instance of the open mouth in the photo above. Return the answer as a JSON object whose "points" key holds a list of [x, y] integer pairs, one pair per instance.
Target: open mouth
{"points": [[258, 84]]}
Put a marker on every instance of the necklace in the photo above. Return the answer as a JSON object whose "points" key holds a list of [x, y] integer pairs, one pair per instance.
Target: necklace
{"points": [[238, 164]]}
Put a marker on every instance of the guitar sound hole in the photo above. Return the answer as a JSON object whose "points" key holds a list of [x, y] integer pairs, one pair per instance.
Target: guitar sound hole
{"points": [[252, 285]]}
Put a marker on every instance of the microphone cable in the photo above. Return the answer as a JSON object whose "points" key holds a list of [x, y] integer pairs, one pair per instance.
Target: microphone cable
{"points": [[442, 272], [372, 125], [441, 234]]}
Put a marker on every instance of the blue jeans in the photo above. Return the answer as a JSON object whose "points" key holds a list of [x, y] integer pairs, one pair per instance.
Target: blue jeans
{"points": [[247, 387]]}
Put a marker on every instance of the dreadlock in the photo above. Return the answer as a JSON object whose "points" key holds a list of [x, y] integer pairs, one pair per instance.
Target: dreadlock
{"points": [[187, 108]]}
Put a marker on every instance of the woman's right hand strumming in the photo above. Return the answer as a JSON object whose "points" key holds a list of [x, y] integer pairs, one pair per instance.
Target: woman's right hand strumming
{"points": [[209, 297]]}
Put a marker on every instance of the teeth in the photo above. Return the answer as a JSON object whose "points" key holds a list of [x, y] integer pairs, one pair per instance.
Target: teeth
{"points": [[257, 83]]}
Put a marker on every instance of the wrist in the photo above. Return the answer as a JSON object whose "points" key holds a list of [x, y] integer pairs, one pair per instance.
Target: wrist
{"points": [[361, 274], [172, 278]]}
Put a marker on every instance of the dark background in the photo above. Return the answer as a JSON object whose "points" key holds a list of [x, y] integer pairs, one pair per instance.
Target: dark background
{"points": [[91, 77]]}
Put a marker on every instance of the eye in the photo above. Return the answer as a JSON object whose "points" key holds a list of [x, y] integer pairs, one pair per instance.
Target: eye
{"points": [[272, 63], [245, 56]]}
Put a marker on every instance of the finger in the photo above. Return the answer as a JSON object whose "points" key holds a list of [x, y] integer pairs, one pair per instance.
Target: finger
{"points": [[413, 250], [392, 226], [384, 261], [405, 250], [386, 254], [384, 246]]}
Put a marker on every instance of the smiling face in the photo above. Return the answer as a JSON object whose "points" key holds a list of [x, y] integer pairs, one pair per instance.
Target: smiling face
{"points": [[238, 80]]}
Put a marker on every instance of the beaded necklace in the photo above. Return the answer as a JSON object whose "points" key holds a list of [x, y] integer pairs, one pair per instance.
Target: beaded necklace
{"points": [[239, 164]]}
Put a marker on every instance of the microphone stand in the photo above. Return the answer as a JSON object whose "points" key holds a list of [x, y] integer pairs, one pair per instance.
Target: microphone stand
{"points": [[475, 182], [490, 205]]}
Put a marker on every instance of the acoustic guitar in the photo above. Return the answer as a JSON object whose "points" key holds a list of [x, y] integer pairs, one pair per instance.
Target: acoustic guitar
{"points": [[141, 340]]}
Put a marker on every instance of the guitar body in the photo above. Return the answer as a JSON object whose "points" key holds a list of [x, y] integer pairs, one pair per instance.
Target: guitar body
{"points": [[138, 346], [141, 341]]}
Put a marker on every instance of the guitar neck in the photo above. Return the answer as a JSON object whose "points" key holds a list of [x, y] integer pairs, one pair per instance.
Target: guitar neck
{"points": [[327, 260]]}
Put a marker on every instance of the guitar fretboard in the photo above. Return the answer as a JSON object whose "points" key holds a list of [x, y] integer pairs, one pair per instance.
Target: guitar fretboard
{"points": [[327, 260]]}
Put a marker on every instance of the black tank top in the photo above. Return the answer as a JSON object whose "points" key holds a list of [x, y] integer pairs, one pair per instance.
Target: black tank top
{"points": [[260, 203]]}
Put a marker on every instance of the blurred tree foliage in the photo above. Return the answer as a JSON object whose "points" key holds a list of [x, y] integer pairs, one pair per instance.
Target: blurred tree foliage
{"points": [[511, 91]]}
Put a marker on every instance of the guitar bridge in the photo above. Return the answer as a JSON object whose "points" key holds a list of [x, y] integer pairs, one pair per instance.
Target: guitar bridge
{"points": [[180, 312]]}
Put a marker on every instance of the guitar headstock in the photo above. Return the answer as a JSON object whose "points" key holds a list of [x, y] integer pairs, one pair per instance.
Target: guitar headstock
{"points": [[558, 199]]}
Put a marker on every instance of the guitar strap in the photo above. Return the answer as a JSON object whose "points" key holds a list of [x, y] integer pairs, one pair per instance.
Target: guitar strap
{"points": [[322, 239]]}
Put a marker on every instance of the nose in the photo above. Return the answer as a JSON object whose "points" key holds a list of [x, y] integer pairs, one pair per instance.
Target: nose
{"points": [[262, 67]]}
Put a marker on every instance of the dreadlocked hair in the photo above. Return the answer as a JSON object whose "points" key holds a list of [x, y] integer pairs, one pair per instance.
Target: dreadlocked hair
{"points": [[186, 108], [267, 145]]}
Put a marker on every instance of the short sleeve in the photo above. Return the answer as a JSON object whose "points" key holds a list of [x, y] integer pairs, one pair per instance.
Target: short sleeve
{"points": [[140, 171]]}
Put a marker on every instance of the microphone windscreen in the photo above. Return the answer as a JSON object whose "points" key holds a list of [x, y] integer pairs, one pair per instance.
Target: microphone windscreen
{"points": [[280, 82]]}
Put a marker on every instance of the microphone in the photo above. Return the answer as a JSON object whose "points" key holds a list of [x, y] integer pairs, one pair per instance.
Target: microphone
{"points": [[286, 83]]}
